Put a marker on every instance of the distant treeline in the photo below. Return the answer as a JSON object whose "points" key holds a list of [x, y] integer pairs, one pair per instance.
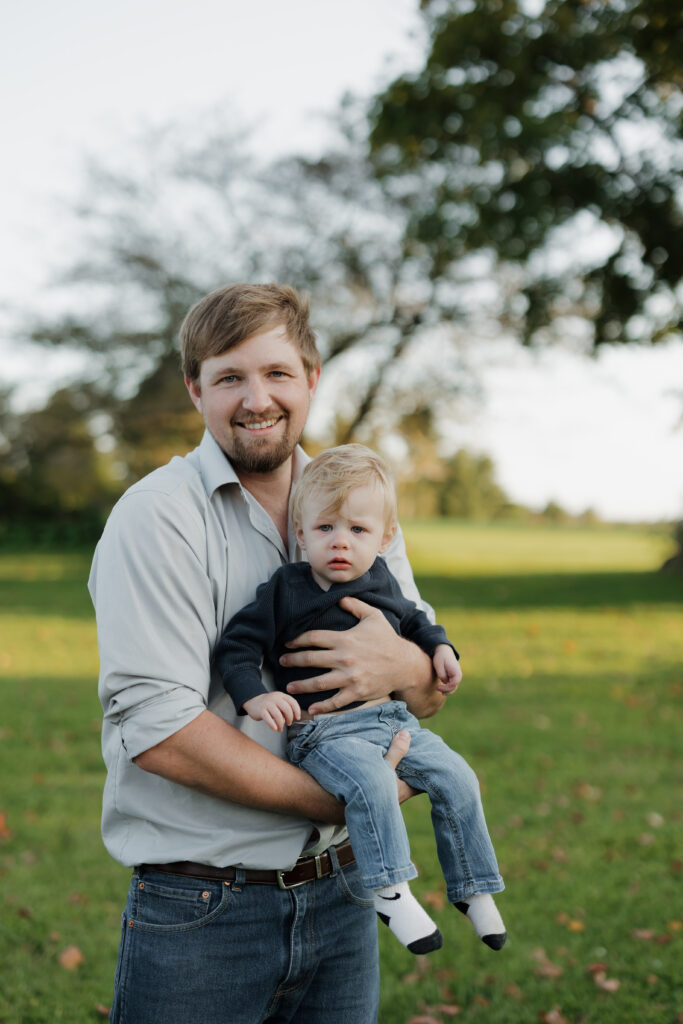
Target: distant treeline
{"points": [[60, 473]]}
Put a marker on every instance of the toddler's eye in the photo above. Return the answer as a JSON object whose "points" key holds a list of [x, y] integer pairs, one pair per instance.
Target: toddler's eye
{"points": [[325, 527], [357, 529]]}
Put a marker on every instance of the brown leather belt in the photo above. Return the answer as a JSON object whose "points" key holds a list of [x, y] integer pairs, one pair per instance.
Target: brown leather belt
{"points": [[306, 869]]}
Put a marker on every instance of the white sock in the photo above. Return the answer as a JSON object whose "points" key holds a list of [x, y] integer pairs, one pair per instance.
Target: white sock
{"points": [[487, 922], [399, 910]]}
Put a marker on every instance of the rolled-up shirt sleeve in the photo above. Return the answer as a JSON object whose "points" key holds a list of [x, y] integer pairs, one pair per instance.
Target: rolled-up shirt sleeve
{"points": [[156, 620]]}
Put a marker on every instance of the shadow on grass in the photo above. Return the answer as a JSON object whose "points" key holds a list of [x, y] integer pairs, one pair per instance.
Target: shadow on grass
{"points": [[552, 590], [69, 597]]}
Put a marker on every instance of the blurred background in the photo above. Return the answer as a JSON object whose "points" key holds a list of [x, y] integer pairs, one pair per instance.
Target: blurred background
{"points": [[483, 200]]}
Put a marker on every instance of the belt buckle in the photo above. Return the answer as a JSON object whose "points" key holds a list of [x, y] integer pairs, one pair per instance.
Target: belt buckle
{"points": [[285, 885], [294, 885]]}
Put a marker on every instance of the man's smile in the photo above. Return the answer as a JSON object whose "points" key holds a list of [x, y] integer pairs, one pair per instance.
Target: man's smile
{"points": [[259, 426]]}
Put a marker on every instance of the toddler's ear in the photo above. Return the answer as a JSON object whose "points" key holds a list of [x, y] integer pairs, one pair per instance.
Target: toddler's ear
{"points": [[387, 538], [300, 538]]}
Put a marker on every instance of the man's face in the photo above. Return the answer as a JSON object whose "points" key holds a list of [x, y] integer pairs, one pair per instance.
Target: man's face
{"points": [[255, 399]]}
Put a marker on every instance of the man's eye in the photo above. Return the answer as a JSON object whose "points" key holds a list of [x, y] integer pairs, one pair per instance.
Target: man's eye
{"points": [[277, 373], [229, 378]]}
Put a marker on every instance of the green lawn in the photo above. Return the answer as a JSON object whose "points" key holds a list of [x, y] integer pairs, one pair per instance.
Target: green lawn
{"points": [[572, 649]]}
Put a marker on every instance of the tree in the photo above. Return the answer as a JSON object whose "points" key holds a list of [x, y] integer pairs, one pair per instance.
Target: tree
{"points": [[192, 210], [51, 470], [544, 139]]}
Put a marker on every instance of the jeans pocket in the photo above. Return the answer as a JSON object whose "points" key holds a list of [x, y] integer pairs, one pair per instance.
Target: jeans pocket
{"points": [[165, 907], [352, 887]]}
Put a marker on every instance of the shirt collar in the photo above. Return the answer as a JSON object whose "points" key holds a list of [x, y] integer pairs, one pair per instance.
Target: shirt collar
{"points": [[216, 469]]}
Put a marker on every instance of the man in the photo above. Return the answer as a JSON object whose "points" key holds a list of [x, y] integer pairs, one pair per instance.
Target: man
{"points": [[240, 907]]}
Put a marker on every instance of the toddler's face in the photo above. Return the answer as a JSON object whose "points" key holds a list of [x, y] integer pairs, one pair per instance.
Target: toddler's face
{"points": [[342, 545]]}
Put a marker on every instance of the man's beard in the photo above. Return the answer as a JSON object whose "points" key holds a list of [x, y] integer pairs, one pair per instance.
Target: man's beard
{"points": [[258, 456]]}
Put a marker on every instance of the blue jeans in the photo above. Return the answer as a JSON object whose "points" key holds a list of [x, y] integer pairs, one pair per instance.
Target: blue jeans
{"points": [[345, 753], [216, 952]]}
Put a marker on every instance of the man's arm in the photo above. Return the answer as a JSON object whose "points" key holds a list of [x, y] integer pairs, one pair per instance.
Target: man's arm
{"points": [[212, 756]]}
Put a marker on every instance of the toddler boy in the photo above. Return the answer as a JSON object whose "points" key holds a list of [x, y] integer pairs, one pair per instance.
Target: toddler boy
{"points": [[344, 512]]}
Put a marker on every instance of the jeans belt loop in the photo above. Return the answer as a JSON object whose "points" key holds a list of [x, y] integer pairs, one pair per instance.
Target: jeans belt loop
{"points": [[334, 861]]}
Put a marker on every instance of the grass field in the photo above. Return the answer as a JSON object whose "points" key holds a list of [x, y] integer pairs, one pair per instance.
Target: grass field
{"points": [[572, 647]]}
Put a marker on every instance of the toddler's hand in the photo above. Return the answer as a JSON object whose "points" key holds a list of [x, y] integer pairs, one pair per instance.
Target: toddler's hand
{"points": [[447, 668], [275, 709]]}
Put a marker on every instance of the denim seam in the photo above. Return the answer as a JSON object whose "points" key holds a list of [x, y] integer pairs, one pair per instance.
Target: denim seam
{"points": [[454, 827]]}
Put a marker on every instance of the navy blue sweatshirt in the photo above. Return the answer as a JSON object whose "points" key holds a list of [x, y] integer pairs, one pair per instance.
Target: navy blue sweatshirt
{"points": [[290, 603]]}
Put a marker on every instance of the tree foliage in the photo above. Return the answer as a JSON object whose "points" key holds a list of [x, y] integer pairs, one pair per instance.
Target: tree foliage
{"points": [[545, 138]]}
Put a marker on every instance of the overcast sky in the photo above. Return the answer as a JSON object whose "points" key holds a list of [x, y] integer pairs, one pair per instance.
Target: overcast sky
{"points": [[77, 74]]}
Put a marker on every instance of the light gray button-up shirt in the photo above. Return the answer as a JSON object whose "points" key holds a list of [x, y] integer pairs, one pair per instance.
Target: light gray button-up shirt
{"points": [[183, 550]]}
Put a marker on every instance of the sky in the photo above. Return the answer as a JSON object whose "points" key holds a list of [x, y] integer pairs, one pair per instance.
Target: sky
{"points": [[76, 76]]}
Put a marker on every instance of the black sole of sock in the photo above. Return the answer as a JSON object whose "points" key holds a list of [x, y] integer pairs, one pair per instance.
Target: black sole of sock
{"points": [[495, 941], [428, 944]]}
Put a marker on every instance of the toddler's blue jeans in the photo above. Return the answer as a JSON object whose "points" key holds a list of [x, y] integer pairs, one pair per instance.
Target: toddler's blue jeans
{"points": [[345, 753]]}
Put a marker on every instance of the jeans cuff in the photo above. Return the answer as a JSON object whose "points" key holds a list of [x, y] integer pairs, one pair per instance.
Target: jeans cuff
{"points": [[389, 877]]}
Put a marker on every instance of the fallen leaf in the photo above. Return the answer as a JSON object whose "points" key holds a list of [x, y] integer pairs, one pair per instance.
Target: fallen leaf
{"points": [[652, 979], [546, 968], [646, 839], [71, 958], [605, 983], [25, 912], [655, 820], [448, 1009], [675, 926], [588, 792], [596, 968], [101, 1009], [5, 831], [78, 897], [423, 1020], [435, 899], [576, 926], [514, 992], [554, 1016], [481, 1000], [644, 934]]}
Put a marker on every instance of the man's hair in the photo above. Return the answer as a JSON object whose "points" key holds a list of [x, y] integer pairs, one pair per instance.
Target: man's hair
{"points": [[337, 471], [232, 314]]}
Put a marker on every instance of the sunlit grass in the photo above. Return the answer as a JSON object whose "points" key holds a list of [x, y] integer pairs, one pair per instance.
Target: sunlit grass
{"points": [[570, 713]]}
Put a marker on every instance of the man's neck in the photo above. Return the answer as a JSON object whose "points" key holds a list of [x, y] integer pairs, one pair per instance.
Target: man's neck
{"points": [[271, 490]]}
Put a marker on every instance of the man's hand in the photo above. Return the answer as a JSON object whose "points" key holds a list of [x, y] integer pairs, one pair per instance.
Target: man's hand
{"points": [[399, 747], [367, 661], [275, 709], [447, 668]]}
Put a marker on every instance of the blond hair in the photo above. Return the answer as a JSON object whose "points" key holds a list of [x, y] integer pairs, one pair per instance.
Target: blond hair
{"points": [[232, 314], [337, 471]]}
